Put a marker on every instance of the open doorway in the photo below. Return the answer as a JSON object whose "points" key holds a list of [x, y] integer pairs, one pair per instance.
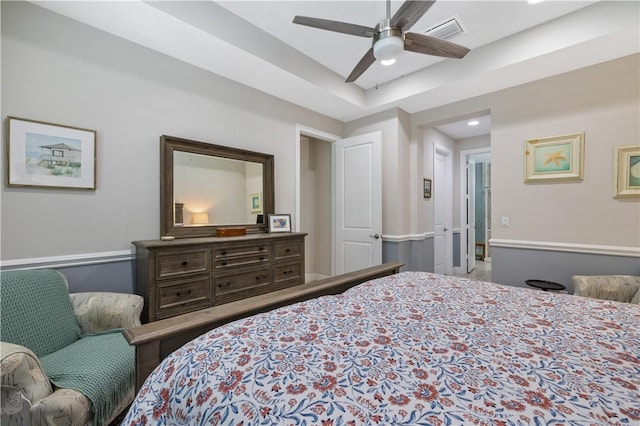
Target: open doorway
{"points": [[314, 199], [475, 209]]}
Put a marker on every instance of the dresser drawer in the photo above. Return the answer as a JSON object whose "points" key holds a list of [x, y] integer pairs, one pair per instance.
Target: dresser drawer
{"points": [[244, 250], [287, 249], [241, 285], [234, 258], [176, 263], [183, 295], [287, 275]]}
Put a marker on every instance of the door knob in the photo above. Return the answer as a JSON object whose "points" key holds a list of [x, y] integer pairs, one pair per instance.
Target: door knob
{"points": [[376, 236]]}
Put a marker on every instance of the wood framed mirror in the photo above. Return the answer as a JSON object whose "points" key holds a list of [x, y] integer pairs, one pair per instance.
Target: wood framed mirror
{"points": [[204, 187]]}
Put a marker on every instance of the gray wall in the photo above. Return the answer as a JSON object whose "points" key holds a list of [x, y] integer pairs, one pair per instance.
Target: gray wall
{"points": [[555, 266], [118, 277], [417, 255], [57, 70]]}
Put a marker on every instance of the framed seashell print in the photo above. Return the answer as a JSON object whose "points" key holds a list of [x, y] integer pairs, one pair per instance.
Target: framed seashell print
{"points": [[626, 171], [555, 158]]}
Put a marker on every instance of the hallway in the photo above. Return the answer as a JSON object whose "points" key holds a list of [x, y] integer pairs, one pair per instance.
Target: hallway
{"points": [[481, 272]]}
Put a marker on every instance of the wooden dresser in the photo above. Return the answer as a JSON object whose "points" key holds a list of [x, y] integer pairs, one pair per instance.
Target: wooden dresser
{"points": [[188, 274]]}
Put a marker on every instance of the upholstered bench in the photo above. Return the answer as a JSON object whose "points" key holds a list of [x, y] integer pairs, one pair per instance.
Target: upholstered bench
{"points": [[63, 359]]}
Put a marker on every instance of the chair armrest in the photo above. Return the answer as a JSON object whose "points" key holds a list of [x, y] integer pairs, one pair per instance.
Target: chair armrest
{"points": [[64, 407], [619, 288], [99, 311], [21, 370]]}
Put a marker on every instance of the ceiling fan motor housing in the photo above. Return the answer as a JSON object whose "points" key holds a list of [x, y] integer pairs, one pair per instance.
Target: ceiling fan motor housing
{"points": [[388, 43]]}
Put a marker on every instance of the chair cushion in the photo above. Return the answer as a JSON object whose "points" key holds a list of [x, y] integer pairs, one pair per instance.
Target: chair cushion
{"points": [[100, 366], [36, 311]]}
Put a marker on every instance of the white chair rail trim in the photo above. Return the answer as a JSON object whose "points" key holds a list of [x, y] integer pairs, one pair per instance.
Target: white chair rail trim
{"points": [[407, 237], [567, 247], [69, 260]]}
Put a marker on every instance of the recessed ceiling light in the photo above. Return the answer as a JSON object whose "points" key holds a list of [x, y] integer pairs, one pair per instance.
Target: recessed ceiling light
{"points": [[534, 1], [473, 123]]}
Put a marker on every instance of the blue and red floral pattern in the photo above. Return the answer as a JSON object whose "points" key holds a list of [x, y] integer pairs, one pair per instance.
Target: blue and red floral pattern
{"points": [[409, 349]]}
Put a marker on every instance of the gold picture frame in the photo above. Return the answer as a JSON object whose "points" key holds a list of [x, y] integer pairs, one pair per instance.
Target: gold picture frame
{"points": [[626, 171], [50, 155], [555, 158]]}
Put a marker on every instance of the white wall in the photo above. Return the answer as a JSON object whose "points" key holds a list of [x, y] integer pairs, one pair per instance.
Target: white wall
{"points": [[602, 101], [57, 70], [60, 71]]}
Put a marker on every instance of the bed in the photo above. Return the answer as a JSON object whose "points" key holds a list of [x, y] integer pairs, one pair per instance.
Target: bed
{"points": [[413, 348]]}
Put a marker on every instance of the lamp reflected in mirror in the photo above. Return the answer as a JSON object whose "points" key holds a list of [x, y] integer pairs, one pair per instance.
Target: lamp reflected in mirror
{"points": [[200, 219]]}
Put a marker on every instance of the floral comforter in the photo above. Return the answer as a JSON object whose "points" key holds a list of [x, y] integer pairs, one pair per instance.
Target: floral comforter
{"points": [[409, 349]]}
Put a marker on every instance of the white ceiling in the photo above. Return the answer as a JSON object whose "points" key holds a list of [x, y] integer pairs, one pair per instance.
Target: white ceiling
{"points": [[256, 44]]}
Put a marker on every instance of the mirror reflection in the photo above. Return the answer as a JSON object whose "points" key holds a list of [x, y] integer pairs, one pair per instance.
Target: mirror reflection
{"points": [[206, 187], [212, 190]]}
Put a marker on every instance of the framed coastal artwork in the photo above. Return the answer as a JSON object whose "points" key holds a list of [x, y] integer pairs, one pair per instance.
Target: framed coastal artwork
{"points": [[256, 203], [626, 171], [50, 155], [555, 158]]}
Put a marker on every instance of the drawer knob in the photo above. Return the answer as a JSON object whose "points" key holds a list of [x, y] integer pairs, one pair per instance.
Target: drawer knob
{"points": [[288, 250], [224, 253], [185, 293], [224, 263], [261, 257], [185, 263], [224, 285], [261, 248], [260, 277]]}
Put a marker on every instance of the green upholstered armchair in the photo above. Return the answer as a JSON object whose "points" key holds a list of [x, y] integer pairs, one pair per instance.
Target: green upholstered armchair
{"points": [[63, 360], [621, 288]]}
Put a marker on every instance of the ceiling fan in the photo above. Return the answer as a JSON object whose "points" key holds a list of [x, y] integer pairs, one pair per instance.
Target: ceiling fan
{"points": [[390, 36]]}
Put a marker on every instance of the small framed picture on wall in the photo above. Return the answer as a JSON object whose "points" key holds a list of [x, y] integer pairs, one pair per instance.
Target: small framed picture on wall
{"points": [[426, 188]]}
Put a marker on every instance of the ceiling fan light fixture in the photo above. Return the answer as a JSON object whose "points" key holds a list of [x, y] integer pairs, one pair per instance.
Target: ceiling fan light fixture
{"points": [[388, 47]]}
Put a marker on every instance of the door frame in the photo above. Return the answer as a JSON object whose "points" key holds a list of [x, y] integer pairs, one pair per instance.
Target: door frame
{"points": [[462, 269], [302, 130]]}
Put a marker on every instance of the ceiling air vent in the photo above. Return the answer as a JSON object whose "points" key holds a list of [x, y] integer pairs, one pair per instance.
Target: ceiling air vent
{"points": [[447, 29]]}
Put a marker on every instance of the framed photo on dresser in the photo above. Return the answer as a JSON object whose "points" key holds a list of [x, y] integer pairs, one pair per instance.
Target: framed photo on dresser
{"points": [[279, 223]]}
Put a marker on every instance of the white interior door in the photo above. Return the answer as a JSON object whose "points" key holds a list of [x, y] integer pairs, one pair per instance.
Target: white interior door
{"points": [[471, 215], [442, 194], [358, 207]]}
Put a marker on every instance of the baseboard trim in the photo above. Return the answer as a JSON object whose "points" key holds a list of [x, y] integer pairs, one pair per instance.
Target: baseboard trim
{"points": [[567, 247], [69, 260], [314, 277]]}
